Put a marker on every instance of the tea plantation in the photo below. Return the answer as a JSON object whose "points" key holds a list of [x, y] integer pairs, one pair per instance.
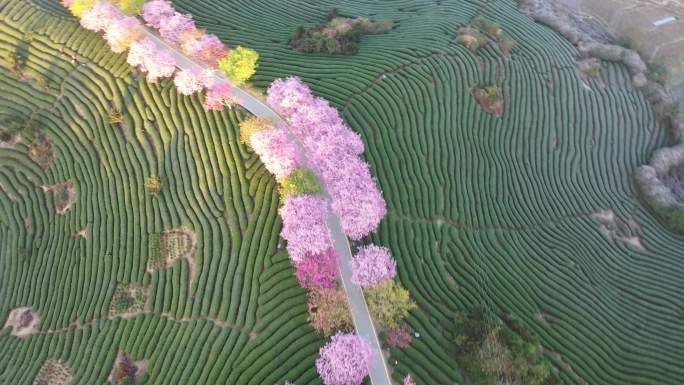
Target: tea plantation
{"points": [[533, 214]]}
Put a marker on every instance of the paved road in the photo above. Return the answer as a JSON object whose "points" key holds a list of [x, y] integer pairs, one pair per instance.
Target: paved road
{"points": [[379, 374]]}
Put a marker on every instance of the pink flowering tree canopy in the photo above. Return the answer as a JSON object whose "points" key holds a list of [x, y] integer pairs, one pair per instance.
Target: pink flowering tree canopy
{"points": [[218, 95], [189, 81], [305, 226], [277, 151], [100, 17], [157, 62], [371, 265], [121, 33], [206, 48], [408, 380], [318, 270], [172, 28], [333, 150], [287, 95], [156, 11], [344, 360]]}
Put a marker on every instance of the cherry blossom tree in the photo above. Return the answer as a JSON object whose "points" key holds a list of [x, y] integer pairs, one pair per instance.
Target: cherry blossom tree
{"points": [[371, 265], [66, 3], [329, 310], [250, 126], [149, 58], [172, 28], [155, 11], [305, 226], [399, 337], [161, 64], [333, 150], [277, 151], [189, 81], [287, 95], [207, 48], [344, 360], [218, 95], [318, 270], [121, 33], [408, 380], [100, 17]]}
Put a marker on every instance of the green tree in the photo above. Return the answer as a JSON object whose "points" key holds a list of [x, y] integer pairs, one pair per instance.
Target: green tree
{"points": [[301, 181], [389, 303]]}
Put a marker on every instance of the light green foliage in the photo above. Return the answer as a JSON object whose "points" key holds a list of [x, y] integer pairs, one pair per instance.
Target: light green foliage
{"points": [[389, 303], [300, 181], [130, 7], [80, 7], [240, 64]]}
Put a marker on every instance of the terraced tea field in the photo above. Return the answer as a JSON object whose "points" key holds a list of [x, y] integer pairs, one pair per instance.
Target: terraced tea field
{"points": [[533, 213]]}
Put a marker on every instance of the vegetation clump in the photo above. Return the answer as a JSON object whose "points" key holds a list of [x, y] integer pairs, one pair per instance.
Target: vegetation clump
{"points": [[329, 310], [128, 299], [301, 181], [53, 372], [239, 65], [493, 352], [153, 185], [337, 34], [490, 99], [389, 303], [481, 32]]}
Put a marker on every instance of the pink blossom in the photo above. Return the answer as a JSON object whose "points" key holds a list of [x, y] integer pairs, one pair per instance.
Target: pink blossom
{"points": [[172, 28], [67, 3], [408, 380], [356, 199], [371, 265], [318, 270], [100, 17], [160, 65], [189, 81], [399, 337], [305, 226], [277, 151], [151, 59], [333, 150], [344, 360], [139, 52], [218, 95], [155, 11], [207, 48], [121, 33], [285, 96]]}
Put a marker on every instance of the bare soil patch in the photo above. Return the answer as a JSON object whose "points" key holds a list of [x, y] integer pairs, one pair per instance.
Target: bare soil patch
{"points": [[64, 195], [53, 372], [23, 321]]}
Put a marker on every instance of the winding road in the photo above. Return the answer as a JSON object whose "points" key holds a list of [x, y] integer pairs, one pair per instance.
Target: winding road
{"points": [[378, 371]]}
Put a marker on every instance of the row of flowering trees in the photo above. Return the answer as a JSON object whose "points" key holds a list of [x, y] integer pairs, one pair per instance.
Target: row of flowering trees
{"points": [[332, 163], [332, 150], [124, 31]]}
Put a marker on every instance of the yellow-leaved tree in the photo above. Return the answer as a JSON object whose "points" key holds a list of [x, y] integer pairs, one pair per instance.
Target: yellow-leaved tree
{"points": [[240, 64]]}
